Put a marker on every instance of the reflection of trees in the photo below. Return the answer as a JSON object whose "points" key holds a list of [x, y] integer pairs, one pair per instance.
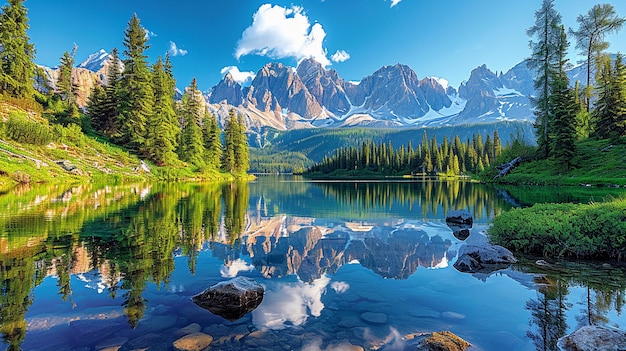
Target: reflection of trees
{"points": [[548, 322], [605, 291], [432, 198]]}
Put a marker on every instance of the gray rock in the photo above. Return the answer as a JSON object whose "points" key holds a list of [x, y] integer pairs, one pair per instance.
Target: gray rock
{"points": [[483, 259], [231, 299], [594, 338], [66, 165]]}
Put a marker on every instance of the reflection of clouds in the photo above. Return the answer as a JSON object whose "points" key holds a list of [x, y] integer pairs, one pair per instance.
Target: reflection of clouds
{"points": [[340, 287], [234, 267], [290, 303]]}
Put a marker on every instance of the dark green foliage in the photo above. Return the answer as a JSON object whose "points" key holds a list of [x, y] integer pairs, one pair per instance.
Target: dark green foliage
{"points": [[564, 230], [23, 130], [212, 142], [64, 86], [192, 145], [235, 155], [545, 35], [17, 53], [162, 127], [609, 114], [135, 89], [563, 108], [383, 160]]}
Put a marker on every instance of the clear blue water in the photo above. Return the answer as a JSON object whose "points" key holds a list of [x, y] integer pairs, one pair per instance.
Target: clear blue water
{"points": [[342, 264]]}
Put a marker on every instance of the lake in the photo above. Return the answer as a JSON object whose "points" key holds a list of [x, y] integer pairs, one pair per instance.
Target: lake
{"points": [[344, 265]]}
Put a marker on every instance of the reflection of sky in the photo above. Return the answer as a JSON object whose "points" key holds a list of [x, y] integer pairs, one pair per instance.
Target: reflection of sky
{"points": [[233, 268], [287, 304]]}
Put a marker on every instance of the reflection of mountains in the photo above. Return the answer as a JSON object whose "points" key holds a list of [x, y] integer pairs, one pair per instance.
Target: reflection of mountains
{"points": [[285, 246]]}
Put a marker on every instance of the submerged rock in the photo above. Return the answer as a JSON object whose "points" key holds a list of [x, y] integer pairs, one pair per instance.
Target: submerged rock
{"points": [[231, 299], [594, 338], [483, 259], [436, 341], [193, 342]]}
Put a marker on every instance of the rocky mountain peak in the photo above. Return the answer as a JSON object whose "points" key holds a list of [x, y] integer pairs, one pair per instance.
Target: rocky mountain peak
{"points": [[325, 86], [227, 89], [96, 61]]}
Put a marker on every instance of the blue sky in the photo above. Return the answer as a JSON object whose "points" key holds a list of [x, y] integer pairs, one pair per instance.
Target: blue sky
{"points": [[443, 38]]}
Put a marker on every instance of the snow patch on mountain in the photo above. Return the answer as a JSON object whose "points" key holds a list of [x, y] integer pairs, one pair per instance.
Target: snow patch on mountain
{"points": [[95, 61]]}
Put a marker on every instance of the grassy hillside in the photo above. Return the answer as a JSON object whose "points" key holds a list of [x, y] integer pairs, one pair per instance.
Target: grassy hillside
{"points": [[33, 151], [596, 162]]}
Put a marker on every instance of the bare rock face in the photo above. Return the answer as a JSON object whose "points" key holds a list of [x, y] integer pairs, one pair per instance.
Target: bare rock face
{"points": [[594, 338], [277, 87], [395, 88], [436, 95], [231, 299], [228, 90], [325, 85], [82, 78]]}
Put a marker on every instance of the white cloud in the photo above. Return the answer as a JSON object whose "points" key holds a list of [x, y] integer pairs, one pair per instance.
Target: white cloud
{"points": [[149, 33], [340, 56], [394, 2], [174, 50], [238, 76], [340, 287], [280, 32]]}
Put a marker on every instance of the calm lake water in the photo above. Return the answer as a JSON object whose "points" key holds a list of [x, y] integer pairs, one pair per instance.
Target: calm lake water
{"points": [[342, 263]]}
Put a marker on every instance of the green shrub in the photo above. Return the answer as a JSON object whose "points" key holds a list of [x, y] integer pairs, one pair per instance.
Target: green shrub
{"points": [[559, 230], [23, 130]]}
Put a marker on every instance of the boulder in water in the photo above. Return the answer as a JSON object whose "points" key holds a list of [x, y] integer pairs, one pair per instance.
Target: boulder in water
{"points": [[231, 299]]}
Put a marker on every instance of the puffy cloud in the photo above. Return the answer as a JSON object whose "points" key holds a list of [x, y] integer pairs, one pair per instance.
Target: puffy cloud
{"points": [[281, 32], [238, 76], [174, 50], [340, 56], [395, 2], [149, 33]]}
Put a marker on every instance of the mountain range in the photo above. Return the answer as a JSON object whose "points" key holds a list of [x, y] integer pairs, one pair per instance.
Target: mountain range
{"points": [[311, 96]]}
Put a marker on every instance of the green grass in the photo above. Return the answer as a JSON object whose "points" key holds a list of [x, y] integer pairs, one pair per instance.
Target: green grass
{"points": [[590, 165], [596, 230]]}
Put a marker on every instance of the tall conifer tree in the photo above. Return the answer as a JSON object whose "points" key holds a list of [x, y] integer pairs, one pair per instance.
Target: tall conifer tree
{"points": [[192, 144], [545, 34], [135, 88], [17, 54], [162, 127]]}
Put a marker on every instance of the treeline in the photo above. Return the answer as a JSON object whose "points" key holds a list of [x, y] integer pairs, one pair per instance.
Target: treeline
{"points": [[429, 157], [567, 113], [136, 106]]}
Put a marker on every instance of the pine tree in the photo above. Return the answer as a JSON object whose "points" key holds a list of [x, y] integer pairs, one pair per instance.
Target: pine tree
{"points": [[192, 145], [65, 87], [242, 158], [17, 54], [110, 111], [212, 142], [603, 114], [563, 108], [135, 88], [620, 96], [163, 129], [546, 30], [228, 152], [599, 21], [94, 107]]}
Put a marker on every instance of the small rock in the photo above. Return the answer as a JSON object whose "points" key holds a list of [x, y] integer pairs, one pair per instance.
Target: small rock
{"points": [[374, 317], [460, 217], [483, 258], [436, 341], [193, 342], [231, 299], [607, 266], [542, 263]]}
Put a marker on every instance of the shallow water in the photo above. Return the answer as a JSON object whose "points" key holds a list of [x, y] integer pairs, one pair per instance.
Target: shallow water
{"points": [[348, 263]]}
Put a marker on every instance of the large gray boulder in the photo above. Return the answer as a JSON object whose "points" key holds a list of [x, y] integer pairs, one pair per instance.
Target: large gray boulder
{"points": [[594, 338], [483, 258], [231, 299]]}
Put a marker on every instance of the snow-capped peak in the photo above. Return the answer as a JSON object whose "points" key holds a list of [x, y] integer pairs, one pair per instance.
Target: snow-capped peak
{"points": [[442, 81], [95, 61]]}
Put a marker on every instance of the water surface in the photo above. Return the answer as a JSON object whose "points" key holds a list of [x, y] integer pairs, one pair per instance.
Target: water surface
{"points": [[342, 263]]}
